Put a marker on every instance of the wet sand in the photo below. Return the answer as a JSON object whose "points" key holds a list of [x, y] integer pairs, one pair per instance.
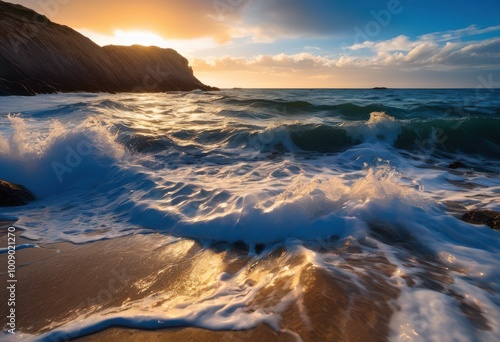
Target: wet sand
{"points": [[57, 283]]}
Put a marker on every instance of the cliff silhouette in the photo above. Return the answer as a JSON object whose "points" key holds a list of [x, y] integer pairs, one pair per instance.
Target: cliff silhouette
{"points": [[38, 56]]}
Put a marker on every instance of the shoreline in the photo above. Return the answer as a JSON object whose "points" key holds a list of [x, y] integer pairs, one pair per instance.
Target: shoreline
{"points": [[260, 333], [58, 283], [35, 262], [45, 265]]}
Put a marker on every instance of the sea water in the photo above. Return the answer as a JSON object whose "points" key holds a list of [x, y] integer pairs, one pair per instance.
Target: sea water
{"points": [[305, 170]]}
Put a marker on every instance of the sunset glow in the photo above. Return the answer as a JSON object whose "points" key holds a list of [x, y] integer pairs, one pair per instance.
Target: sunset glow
{"points": [[280, 43], [145, 38], [250, 170], [149, 38]]}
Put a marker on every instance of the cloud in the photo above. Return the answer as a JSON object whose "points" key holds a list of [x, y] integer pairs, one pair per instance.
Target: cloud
{"points": [[481, 54], [270, 20], [222, 20], [218, 27], [172, 19], [268, 63], [471, 30], [433, 51], [400, 43], [399, 53], [315, 48], [262, 21], [297, 18]]}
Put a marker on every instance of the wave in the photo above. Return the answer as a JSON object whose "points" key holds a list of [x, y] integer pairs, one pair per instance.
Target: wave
{"points": [[87, 166], [49, 162], [354, 111], [469, 135], [473, 135], [160, 180], [90, 167], [348, 111], [374, 228], [301, 193], [27, 156]]}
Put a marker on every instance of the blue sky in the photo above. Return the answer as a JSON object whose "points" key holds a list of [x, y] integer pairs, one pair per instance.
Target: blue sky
{"points": [[304, 43]]}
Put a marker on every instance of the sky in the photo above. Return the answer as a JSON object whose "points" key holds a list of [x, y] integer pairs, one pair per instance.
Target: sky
{"points": [[305, 43]]}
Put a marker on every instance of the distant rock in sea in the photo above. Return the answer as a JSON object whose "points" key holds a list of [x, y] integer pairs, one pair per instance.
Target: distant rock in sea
{"points": [[39, 56], [12, 195], [379, 88]]}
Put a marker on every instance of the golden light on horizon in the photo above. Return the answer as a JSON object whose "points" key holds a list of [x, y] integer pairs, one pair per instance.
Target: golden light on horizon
{"points": [[129, 37], [140, 37]]}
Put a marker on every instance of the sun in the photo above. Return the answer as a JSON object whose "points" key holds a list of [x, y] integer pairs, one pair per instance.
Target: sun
{"points": [[149, 38], [146, 38]]}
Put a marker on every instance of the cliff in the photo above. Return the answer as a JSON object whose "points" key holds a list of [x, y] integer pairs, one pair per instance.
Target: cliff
{"points": [[39, 56]]}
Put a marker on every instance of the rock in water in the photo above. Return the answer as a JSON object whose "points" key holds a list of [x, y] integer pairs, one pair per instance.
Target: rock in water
{"points": [[487, 217], [39, 56], [457, 165], [12, 195]]}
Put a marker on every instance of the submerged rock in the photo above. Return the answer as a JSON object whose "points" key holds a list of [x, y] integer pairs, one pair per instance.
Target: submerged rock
{"points": [[12, 195], [487, 217], [457, 165], [39, 56]]}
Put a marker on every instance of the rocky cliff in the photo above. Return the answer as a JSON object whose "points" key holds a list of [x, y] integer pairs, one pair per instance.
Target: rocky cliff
{"points": [[39, 56]]}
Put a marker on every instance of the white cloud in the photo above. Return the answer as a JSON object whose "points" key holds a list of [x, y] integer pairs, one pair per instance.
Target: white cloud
{"points": [[277, 63], [313, 48], [428, 52], [400, 43], [458, 34], [422, 52]]}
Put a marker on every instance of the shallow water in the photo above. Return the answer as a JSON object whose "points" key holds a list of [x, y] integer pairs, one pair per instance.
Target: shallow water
{"points": [[342, 201]]}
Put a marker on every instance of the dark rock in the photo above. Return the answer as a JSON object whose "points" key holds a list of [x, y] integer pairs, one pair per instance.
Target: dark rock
{"points": [[487, 217], [39, 56], [12, 195], [457, 165], [259, 248], [379, 88], [241, 246]]}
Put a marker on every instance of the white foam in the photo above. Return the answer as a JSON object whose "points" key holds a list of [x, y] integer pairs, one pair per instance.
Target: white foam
{"points": [[429, 316], [49, 162], [380, 127], [223, 306], [238, 196]]}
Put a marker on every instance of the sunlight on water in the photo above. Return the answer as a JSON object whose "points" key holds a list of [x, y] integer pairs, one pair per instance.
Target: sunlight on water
{"points": [[270, 206]]}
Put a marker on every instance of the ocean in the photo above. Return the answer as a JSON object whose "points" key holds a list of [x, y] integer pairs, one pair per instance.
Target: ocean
{"points": [[341, 207]]}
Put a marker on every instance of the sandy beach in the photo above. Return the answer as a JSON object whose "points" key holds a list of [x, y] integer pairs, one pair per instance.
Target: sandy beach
{"points": [[59, 283]]}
